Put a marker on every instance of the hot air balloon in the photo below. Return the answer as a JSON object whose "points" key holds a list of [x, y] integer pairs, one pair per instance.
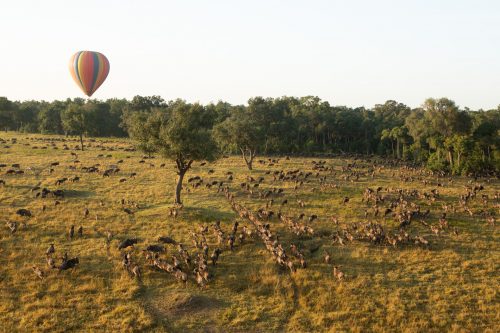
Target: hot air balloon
{"points": [[89, 70]]}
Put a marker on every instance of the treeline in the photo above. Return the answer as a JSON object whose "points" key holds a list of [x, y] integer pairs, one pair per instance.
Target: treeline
{"points": [[439, 133], [104, 117]]}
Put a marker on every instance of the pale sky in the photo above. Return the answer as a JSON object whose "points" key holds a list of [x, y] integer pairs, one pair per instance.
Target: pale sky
{"points": [[346, 52]]}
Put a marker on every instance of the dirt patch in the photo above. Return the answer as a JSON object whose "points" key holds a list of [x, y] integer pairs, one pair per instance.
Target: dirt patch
{"points": [[181, 304]]}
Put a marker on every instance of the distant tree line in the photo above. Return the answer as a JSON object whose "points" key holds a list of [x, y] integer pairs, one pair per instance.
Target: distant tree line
{"points": [[438, 134]]}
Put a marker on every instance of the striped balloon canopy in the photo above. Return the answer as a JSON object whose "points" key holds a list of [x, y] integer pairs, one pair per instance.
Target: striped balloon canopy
{"points": [[89, 70]]}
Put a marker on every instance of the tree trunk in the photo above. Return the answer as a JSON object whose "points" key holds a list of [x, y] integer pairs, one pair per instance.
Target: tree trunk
{"points": [[252, 156], [182, 168], [249, 159], [397, 149], [178, 187], [81, 141], [367, 143], [249, 164]]}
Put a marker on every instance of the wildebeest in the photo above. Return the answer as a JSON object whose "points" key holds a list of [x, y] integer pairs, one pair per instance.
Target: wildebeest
{"points": [[24, 212], [127, 242], [215, 256], [58, 193], [61, 181], [67, 264], [155, 248], [166, 240], [128, 211], [50, 250]]}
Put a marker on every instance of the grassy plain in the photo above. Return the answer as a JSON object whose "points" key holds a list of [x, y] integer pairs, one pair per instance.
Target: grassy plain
{"points": [[452, 285]]}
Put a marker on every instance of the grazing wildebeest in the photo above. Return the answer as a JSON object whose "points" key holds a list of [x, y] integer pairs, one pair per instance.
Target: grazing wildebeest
{"points": [[67, 264], [24, 212], [127, 242]]}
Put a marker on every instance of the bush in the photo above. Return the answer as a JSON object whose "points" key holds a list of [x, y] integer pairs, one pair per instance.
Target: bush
{"points": [[476, 164], [416, 153], [436, 164]]}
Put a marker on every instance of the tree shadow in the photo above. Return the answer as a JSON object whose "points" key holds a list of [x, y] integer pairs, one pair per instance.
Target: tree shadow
{"points": [[78, 194], [207, 214]]}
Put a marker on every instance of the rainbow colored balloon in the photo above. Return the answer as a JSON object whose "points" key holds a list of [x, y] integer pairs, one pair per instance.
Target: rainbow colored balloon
{"points": [[89, 70]]}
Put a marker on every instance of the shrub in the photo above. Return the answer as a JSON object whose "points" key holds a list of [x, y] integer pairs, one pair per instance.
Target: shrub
{"points": [[436, 164]]}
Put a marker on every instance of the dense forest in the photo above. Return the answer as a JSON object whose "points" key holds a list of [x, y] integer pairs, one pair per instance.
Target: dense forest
{"points": [[438, 134]]}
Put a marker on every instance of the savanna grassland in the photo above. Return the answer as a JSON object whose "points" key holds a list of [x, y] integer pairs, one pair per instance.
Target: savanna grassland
{"points": [[450, 284]]}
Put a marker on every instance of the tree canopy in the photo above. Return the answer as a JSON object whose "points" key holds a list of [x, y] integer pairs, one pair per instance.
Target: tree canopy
{"points": [[435, 133], [180, 132], [241, 132]]}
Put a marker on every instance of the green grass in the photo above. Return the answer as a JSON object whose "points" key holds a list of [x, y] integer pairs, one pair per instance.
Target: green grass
{"points": [[450, 286]]}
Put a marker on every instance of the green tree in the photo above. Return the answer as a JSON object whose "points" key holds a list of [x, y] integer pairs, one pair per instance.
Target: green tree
{"points": [[486, 132], [49, 117], [219, 112], [141, 103], [144, 128], [179, 132], [458, 147], [445, 118], [400, 135], [76, 120], [116, 109], [240, 132], [27, 116], [7, 110], [386, 135]]}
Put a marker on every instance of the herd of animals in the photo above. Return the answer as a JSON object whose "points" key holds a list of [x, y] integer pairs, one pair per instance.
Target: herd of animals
{"points": [[393, 217]]}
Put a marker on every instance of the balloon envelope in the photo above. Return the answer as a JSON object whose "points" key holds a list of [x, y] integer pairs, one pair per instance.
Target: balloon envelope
{"points": [[89, 70]]}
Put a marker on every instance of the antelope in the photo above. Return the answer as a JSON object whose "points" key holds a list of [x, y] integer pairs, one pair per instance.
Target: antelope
{"points": [[337, 273], [326, 257]]}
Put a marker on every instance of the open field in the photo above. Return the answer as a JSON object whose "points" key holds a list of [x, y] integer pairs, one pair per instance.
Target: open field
{"points": [[451, 284]]}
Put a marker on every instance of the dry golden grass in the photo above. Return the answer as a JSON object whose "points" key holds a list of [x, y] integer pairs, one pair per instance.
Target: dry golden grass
{"points": [[450, 286]]}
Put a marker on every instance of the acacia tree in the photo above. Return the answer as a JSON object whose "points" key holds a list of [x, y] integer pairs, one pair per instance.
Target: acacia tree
{"points": [[240, 132], [178, 132], [142, 126]]}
